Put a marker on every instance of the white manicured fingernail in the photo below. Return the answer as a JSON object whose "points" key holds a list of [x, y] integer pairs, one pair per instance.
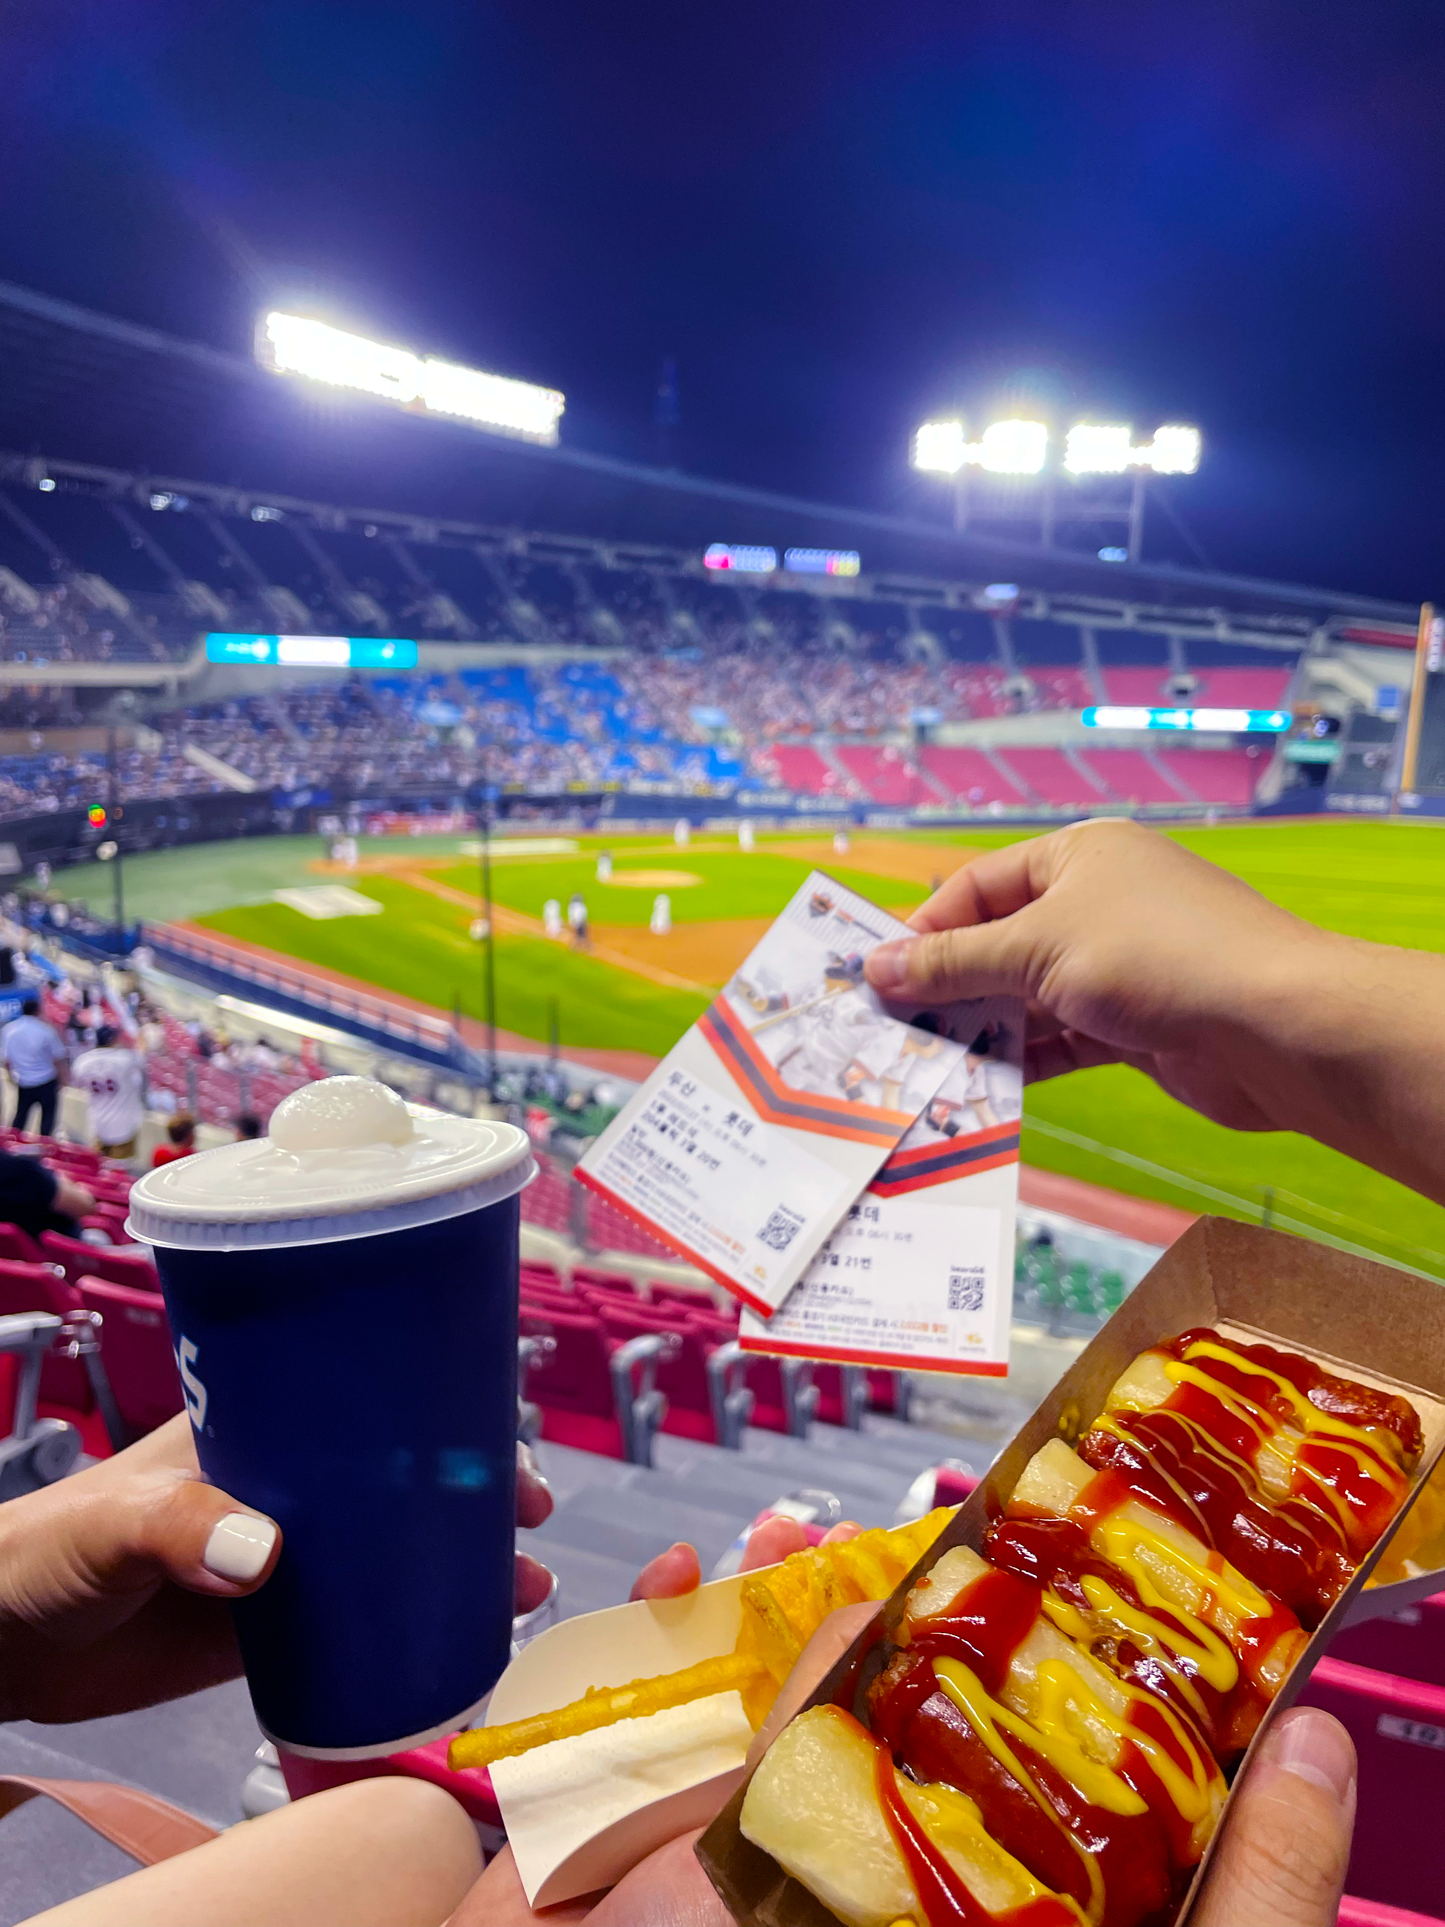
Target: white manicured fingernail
{"points": [[239, 1546]]}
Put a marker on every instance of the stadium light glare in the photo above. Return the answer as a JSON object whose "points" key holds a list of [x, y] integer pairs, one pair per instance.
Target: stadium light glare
{"points": [[296, 345], [1012, 448], [46, 485], [1175, 450], [1113, 554], [1005, 448], [939, 448], [1097, 448], [1108, 448]]}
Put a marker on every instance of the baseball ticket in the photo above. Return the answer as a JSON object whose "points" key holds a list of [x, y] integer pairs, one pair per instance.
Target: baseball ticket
{"points": [[745, 1147]]}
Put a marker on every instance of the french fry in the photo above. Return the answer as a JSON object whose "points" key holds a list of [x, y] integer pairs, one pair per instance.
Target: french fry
{"points": [[605, 1706], [782, 1607]]}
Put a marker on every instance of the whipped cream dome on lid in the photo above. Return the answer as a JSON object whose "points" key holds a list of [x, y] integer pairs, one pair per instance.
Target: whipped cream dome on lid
{"points": [[345, 1158]]}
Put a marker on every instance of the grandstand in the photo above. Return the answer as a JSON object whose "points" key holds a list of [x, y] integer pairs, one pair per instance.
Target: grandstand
{"points": [[554, 670]]}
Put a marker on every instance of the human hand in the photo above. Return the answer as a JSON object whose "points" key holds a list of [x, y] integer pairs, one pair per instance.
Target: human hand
{"points": [[113, 1584], [669, 1888], [73, 1200], [1286, 1848], [1128, 949]]}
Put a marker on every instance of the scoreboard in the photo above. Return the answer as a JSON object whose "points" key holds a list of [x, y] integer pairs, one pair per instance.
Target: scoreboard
{"points": [[313, 652]]}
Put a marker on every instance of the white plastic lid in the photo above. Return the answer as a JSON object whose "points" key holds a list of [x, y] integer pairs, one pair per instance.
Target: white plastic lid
{"points": [[346, 1158]]}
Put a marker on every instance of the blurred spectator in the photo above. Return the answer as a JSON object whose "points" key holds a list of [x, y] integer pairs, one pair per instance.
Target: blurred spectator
{"points": [[38, 1200], [112, 1077], [35, 1058], [247, 1126], [181, 1136]]}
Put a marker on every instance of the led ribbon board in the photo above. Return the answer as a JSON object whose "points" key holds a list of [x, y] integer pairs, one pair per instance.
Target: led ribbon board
{"points": [[822, 561], [742, 557], [293, 344], [1231, 720], [313, 652]]}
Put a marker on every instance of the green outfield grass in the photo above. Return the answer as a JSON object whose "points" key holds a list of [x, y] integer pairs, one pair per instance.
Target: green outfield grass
{"points": [[423, 948], [731, 884], [1378, 880]]}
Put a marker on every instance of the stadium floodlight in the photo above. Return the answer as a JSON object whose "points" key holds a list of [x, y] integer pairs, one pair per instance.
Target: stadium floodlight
{"points": [[1000, 593], [1012, 448], [1009, 447], [46, 485], [1175, 450], [1113, 553], [293, 344], [939, 448], [1109, 448], [1098, 448]]}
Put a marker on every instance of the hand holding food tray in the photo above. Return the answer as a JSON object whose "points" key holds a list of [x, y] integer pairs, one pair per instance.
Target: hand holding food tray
{"points": [[1042, 1723]]}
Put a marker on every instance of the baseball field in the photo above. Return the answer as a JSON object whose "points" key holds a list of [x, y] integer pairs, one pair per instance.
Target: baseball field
{"points": [[635, 991]]}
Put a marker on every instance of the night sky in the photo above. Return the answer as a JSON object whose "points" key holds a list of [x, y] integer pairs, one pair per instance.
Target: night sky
{"points": [[838, 218]]}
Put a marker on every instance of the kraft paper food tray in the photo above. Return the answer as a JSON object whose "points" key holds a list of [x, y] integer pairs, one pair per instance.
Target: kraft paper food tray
{"points": [[581, 1812], [1365, 1320]]}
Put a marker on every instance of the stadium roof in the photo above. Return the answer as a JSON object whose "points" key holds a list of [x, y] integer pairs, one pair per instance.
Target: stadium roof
{"points": [[91, 388]]}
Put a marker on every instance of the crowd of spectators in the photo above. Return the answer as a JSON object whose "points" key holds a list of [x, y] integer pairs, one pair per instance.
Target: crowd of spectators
{"points": [[685, 719]]}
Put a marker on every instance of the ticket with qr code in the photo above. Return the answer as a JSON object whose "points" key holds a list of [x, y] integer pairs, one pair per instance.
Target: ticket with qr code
{"points": [[746, 1146], [919, 1274]]}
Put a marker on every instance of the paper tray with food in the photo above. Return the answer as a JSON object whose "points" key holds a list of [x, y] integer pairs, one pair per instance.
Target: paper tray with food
{"points": [[1043, 1723], [614, 1732]]}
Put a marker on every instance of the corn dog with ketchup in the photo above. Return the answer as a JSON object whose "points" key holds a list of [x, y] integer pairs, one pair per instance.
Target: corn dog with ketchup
{"points": [[1072, 1697]]}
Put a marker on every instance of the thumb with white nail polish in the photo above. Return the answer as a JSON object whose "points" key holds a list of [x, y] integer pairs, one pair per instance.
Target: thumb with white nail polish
{"points": [[239, 1547]]}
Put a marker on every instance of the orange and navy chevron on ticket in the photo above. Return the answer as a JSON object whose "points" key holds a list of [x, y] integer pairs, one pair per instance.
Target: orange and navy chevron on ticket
{"points": [[776, 1102]]}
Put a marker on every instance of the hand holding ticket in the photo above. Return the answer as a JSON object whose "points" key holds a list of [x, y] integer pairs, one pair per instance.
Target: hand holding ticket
{"points": [[753, 1142]]}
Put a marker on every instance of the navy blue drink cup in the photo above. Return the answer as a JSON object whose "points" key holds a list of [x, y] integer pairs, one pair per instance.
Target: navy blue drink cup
{"points": [[353, 1373]]}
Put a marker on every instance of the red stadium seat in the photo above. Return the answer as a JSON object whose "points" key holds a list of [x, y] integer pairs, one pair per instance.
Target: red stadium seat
{"points": [[79, 1260], [1401, 1779], [687, 1297], [135, 1348], [572, 1383], [616, 1282], [19, 1246], [682, 1379], [39, 1287]]}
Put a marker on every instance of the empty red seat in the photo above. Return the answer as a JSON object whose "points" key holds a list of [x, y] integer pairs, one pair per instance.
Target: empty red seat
{"points": [[18, 1245], [689, 1297], [542, 1274], [616, 1282], [572, 1383], [764, 1379], [135, 1348], [39, 1287], [108, 1219], [683, 1378], [79, 1260], [1395, 1724]]}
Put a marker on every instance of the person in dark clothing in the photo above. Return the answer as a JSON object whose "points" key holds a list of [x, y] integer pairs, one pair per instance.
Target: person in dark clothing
{"points": [[38, 1200]]}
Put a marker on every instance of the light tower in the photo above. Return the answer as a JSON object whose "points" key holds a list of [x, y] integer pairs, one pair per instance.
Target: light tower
{"points": [[1074, 491]]}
